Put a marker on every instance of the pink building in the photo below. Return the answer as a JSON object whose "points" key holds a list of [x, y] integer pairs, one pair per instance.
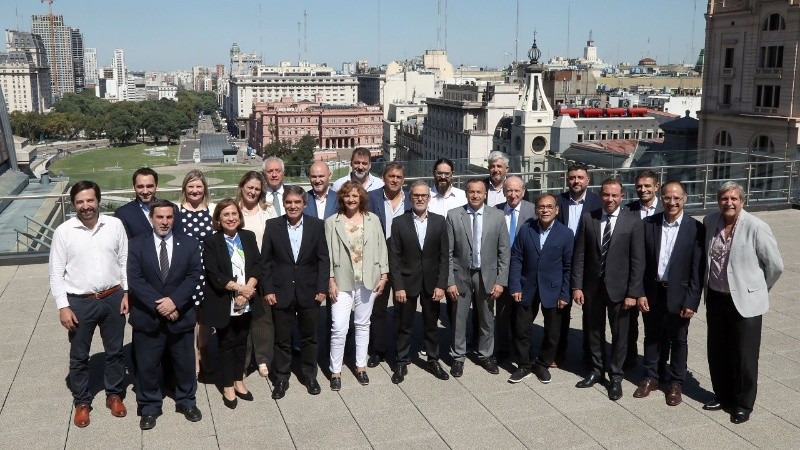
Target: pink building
{"points": [[334, 126]]}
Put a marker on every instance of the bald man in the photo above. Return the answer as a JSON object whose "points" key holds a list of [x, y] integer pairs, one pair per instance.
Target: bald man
{"points": [[321, 198]]}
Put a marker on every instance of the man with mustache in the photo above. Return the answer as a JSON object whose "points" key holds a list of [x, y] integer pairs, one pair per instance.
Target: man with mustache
{"points": [[360, 163], [88, 280]]}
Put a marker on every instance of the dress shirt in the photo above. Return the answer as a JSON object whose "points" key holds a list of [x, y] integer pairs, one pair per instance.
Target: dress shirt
{"points": [[544, 233], [421, 226], [145, 207], [495, 196], [606, 217], [507, 212], [575, 211], [647, 211], [440, 204], [168, 240], [669, 233], [270, 199], [720, 253], [390, 213], [84, 261], [322, 201], [295, 237], [477, 232], [373, 182]]}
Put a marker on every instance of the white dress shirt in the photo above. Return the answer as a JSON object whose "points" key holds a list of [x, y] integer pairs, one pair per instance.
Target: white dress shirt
{"points": [[372, 184], [84, 261], [605, 217], [507, 212], [322, 202], [575, 211], [477, 233], [440, 204], [669, 233], [389, 213], [421, 226], [647, 211], [169, 241], [494, 196]]}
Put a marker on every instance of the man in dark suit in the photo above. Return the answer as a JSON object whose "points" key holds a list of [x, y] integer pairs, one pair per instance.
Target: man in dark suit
{"points": [[571, 205], [673, 280], [321, 201], [294, 281], [418, 255], [516, 211], [388, 203], [163, 272], [646, 205], [539, 274], [135, 214], [607, 271]]}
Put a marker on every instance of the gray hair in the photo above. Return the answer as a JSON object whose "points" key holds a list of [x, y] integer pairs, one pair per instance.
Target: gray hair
{"points": [[495, 155], [273, 158], [513, 178], [418, 182], [730, 186]]}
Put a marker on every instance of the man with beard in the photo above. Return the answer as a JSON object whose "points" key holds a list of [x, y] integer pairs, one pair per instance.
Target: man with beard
{"points": [[321, 198], [88, 280], [495, 182], [135, 215], [444, 196], [273, 173], [360, 164]]}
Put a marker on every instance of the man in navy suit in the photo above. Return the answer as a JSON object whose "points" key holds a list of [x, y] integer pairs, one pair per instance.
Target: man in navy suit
{"points": [[135, 214], [571, 205], [322, 201], [388, 203], [163, 272], [549, 242], [673, 280]]}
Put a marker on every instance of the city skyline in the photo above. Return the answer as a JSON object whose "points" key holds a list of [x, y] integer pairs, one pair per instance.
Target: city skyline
{"points": [[671, 32]]}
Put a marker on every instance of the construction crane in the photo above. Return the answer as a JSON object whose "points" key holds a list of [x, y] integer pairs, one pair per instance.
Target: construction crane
{"points": [[54, 58]]}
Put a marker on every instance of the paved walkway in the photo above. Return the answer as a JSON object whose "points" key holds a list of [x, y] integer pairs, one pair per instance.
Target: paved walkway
{"points": [[476, 411]]}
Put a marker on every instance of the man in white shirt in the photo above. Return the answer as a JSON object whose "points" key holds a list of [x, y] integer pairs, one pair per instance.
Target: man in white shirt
{"points": [[444, 196], [273, 173], [360, 163], [88, 280]]}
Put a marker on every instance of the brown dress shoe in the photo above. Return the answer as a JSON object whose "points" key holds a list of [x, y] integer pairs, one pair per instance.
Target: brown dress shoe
{"points": [[82, 415], [673, 395], [647, 386], [114, 403]]}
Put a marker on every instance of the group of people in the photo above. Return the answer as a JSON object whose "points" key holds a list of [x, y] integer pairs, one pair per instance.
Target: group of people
{"points": [[256, 268]]}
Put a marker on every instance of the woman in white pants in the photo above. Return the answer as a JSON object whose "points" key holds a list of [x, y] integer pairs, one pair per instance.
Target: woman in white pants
{"points": [[359, 272]]}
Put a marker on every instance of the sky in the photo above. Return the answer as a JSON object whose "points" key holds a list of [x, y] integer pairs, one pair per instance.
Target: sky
{"points": [[178, 34]]}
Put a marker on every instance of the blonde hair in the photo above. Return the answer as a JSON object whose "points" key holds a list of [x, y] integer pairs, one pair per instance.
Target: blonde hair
{"points": [[195, 175]]}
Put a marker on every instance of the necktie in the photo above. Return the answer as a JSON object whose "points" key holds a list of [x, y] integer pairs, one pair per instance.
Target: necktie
{"points": [[605, 243], [163, 260], [512, 229], [276, 203], [476, 242]]}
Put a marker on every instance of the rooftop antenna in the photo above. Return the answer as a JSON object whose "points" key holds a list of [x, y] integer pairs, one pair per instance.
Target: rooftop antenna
{"points": [[260, 30], [438, 24], [516, 37], [569, 20], [299, 45], [305, 34], [445, 25], [379, 33]]}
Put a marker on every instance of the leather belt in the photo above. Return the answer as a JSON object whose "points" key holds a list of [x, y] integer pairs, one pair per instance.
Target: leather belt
{"points": [[100, 295]]}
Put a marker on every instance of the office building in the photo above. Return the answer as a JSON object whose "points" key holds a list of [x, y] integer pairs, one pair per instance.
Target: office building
{"points": [[25, 73]]}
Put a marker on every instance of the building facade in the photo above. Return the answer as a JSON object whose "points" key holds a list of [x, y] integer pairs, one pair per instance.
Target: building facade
{"points": [[57, 38], [25, 73], [120, 74], [90, 66], [78, 73]]}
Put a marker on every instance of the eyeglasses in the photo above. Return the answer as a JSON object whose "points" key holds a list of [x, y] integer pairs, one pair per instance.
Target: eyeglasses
{"points": [[443, 174], [420, 195], [545, 207]]}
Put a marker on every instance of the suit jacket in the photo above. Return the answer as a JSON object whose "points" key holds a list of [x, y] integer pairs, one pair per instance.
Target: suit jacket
{"points": [[294, 281], [375, 256], [417, 270], [376, 205], [145, 284], [331, 205], [754, 263], [527, 211], [217, 302], [624, 261], [686, 269], [636, 206], [134, 220], [591, 203], [544, 269], [495, 250]]}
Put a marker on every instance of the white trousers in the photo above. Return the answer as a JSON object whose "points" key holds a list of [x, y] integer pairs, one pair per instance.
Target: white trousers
{"points": [[360, 301]]}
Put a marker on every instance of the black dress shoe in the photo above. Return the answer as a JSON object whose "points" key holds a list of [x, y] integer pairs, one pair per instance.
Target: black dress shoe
{"points": [[336, 383], [362, 377], [490, 365], [230, 403], [712, 405], [399, 374], [147, 422], [280, 389], [437, 370], [313, 387], [192, 414], [590, 380], [457, 369], [740, 417], [246, 396], [615, 391], [375, 360]]}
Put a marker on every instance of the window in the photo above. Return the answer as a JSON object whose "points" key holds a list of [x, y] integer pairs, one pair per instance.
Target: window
{"points": [[767, 96], [773, 22], [726, 94], [763, 143], [769, 57], [722, 139], [728, 63]]}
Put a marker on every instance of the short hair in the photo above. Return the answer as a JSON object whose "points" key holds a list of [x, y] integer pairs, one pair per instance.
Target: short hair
{"points": [[612, 180], [144, 171], [730, 186], [418, 182], [394, 165], [160, 203], [474, 181], [294, 189], [646, 174], [443, 161], [345, 190], [513, 177], [544, 196], [361, 151], [246, 178], [271, 159], [497, 154], [195, 175], [679, 183], [224, 203], [578, 166], [82, 186]]}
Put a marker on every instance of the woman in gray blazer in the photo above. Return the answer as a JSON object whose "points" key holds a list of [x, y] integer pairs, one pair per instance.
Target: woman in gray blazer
{"points": [[359, 273]]}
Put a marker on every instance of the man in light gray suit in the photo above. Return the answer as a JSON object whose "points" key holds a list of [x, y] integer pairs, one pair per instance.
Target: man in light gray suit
{"points": [[479, 268], [743, 265], [516, 212]]}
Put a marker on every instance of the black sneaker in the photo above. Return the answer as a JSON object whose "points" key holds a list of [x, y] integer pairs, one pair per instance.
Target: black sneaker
{"points": [[542, 373], [519, 375]]}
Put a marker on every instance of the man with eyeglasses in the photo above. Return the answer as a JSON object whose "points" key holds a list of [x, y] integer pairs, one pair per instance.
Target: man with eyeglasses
{"points": [[444, 196], [673, 280]]}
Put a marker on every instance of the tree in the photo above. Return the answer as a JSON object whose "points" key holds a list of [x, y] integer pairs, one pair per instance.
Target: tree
{"points": [[295, 157], [122, 122], [28, 125]]}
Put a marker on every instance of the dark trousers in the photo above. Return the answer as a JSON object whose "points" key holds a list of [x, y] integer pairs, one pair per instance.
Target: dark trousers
{"points": [[93, 313], [232, 348], [261, 340], [150, 349], [734, 343], [599, 305], [405, 327], [563, 339], [307, 324], [503, 324], [379, 328], [665, 333], [633, 336], [523, 318]]}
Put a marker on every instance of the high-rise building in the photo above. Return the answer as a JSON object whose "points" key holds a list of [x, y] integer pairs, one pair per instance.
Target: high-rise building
{"points": [[90, 66], [57, 39], [25, 73], [120, 74], [78, 73]]}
